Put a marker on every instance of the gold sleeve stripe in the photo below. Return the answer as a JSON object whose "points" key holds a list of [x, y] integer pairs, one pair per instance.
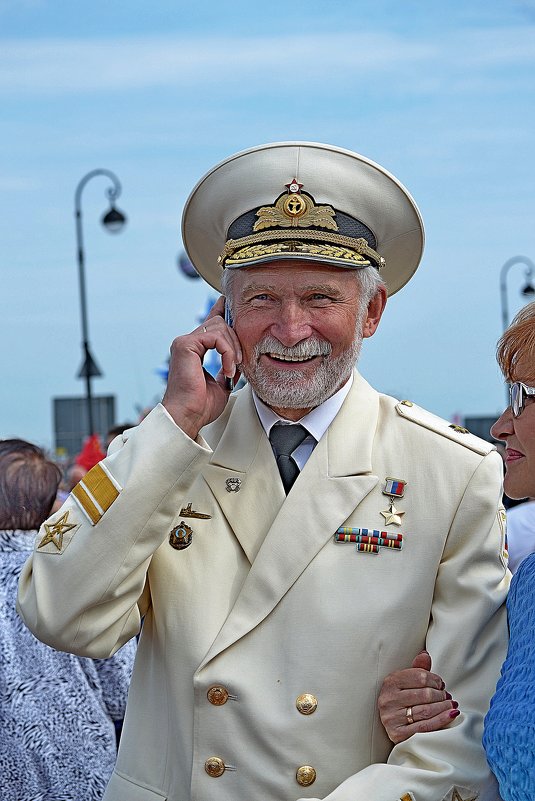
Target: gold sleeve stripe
{"points": [[100, 487], [84, 501]]}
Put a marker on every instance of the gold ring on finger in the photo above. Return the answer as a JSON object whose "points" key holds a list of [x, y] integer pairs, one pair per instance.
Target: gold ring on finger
{"points": [[408, 715]]}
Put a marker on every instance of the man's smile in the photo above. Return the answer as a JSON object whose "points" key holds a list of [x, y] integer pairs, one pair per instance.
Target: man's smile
{"points": [[279, 358]]}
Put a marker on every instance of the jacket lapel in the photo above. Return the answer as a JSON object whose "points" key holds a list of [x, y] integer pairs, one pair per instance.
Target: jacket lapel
{"points": [[333, 482], [244, 453]]}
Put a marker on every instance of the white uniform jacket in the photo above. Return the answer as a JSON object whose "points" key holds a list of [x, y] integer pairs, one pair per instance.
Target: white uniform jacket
{"points": [[262, 604]]}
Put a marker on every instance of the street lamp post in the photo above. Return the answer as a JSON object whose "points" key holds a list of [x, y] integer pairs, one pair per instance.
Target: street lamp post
{"points": [[113, 220], [528, 290]]}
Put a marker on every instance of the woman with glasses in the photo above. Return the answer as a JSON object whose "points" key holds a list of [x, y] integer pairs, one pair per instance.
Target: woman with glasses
{"points": [[415, 700]]}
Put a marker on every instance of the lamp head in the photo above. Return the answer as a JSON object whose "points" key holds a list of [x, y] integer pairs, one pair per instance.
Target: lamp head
{"points": [[114, 220], [528, 290]]}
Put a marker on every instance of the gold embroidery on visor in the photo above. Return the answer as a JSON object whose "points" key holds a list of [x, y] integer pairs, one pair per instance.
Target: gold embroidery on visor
{"points": [[331, 252], [292, 238]]}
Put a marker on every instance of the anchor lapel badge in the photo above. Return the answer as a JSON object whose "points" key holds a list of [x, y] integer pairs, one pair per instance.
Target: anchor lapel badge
{"points": [[394, 488]]}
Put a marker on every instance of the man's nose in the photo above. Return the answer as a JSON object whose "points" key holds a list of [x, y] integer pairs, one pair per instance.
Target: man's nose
{"points": [[292, 324]]}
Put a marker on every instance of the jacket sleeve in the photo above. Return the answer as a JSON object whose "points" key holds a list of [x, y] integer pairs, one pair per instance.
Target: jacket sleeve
{"points": [[84, 588], [467, 640]]}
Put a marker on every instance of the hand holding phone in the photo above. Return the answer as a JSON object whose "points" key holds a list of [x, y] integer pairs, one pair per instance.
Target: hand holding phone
{"points": [[193, 397]]}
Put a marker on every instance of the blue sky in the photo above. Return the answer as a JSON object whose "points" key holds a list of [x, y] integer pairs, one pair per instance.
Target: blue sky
{"points": [[441, 94]]}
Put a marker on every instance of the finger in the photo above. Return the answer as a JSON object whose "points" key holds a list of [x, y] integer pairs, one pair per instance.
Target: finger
{"points": [[405, 730], [215, 334], [430, 711], [214, 325], [435, 723], [217, 310], [222, 379], [419, 697], [414, 678], [423, 660]]}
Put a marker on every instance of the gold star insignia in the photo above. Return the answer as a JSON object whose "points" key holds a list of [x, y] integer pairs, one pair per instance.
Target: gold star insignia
{"points": [[393, 516], [456, 796], [55, 531]]}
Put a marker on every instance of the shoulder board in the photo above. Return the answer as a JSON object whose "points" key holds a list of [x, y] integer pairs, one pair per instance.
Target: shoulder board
{"points": [[416, 414]]}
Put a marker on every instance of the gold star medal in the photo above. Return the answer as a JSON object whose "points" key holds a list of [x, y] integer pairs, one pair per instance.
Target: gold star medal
{"points": [[394, 488], [392, 516], [55, 531]]}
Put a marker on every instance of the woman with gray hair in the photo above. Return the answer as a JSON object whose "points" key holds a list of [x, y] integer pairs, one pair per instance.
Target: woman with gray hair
{"points": [[57, 711]]}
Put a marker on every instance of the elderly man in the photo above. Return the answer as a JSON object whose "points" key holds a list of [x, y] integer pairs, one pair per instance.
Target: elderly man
{"points": [[289, 545]]}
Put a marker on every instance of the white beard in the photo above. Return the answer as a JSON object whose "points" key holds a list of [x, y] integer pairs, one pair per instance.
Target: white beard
{"points": [[290, 389]]}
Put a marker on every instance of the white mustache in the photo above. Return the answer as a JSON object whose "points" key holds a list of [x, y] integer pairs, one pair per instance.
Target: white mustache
{"points": [[303, 350]]}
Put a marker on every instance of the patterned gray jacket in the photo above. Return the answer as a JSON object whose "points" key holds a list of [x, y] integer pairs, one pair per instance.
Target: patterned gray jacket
{"points": [[57, 711]]}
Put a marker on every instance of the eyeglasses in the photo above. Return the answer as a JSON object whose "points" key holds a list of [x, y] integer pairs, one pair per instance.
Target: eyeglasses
{"points": [[518, 392]]}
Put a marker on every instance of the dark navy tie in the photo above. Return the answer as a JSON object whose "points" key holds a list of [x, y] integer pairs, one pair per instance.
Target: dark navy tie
{"points": [[285, 439]]}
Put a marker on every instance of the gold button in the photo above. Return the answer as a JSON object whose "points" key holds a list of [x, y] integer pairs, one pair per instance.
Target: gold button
{"points": [[306, 703], [217, 695], [407, 403], [214, 766], [305, 775]]}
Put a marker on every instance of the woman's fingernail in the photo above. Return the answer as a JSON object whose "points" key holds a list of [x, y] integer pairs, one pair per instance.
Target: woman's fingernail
{"points": [[442, 686], [449, 696], [455, 704], [454, 713]]}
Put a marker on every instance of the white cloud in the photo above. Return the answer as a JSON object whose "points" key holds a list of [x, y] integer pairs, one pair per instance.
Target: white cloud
{"points": [[58, 66], [306, 62]]}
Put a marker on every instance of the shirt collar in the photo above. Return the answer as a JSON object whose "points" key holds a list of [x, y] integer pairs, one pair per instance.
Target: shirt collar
{"points": [[316, 421]]}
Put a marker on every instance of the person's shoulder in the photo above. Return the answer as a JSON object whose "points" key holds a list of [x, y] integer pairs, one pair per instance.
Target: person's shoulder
{"points": [[522, 512], [520, 595], [411, 413], [525, 573]]}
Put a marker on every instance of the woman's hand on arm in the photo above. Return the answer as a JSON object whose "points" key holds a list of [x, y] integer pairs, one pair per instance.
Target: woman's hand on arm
{"points": [[415, 700]]}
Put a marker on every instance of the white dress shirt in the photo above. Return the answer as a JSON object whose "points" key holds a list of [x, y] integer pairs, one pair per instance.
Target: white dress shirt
{"points": [[316, 421]]}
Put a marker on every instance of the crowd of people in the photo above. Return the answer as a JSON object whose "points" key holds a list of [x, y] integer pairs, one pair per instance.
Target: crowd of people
{"points": [[282, 551]]}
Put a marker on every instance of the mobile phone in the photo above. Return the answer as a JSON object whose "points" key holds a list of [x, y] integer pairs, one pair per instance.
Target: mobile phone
{"points": [[229, 382]]}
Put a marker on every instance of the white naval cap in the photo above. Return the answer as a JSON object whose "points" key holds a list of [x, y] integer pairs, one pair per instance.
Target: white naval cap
{"points": [[307, 201]]}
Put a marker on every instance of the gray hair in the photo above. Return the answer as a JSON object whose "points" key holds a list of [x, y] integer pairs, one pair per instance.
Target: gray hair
{"points": [[368, 278]]}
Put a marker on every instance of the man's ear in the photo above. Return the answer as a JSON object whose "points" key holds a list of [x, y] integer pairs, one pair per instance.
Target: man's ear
{"points": [[375, 310]]}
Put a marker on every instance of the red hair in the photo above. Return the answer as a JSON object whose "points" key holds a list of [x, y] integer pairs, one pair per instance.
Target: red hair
{"points": [[517, 344]]}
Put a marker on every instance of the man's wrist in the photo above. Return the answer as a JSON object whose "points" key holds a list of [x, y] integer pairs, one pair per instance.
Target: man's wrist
{"points": [[190, 427]]}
